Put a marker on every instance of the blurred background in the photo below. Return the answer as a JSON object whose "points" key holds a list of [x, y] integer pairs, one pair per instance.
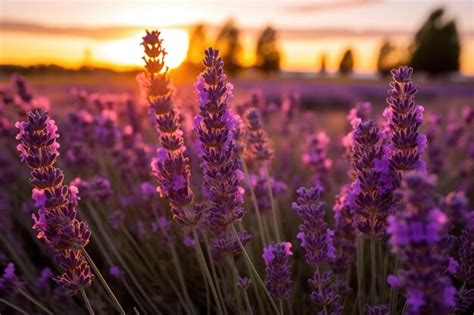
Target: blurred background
{"points": [[58, 44], [360, 36]]}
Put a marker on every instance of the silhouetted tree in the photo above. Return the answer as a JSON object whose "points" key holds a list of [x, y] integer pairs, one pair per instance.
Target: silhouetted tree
{"points": [[322, 69], [347, 63], [436, 47], [197, 44], [228, 43], [387, 59], [268, 55]]}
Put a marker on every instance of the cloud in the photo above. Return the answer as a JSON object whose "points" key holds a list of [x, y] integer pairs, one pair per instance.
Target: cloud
{"points": [[326, 6], [97, 33]]}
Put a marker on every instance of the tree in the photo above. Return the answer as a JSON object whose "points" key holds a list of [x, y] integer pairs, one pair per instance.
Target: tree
{"points": [[347, 63], [436, 47], [268, 55], [387, 59], [197, 44], [322, 69], [228, 43]]}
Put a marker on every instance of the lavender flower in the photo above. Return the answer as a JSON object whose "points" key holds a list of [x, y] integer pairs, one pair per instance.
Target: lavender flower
{"points": [[315, 236], [260, 184], [9, 282], [317, 240], [374, 180], [214, 124], [403, 119], [413, 234], [257, 144], [43, 281], [116, 271], [243, 283], [344, 230], [56, 222], [171, 166], [315, 156], [276, 258]]}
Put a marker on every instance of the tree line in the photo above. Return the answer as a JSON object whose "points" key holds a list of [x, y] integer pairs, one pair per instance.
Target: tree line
{"points": [[435, 49]]}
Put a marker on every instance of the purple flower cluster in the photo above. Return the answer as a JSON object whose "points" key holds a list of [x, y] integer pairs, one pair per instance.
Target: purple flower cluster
{"points": [[9, 282], [170, 166], [260, 184], [373, 180], [317, 240], [414, 232], [344, 230], [56, 222], [221, 167], [315, 156], [403, 119], [278, 269], [257, 143]]}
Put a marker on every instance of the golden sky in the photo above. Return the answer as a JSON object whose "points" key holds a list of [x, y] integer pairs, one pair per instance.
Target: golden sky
{"points": [[107, 33]]}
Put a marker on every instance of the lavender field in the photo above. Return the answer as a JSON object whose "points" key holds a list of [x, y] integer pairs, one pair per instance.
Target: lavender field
{"points": [[272, 195]]}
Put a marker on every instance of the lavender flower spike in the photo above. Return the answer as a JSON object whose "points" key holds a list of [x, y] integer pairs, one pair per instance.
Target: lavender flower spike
{"points": [[317, 240], [257, 144], [220, 164], [276, 258], [56, 221], [403, 119], [171, 166], [413, 234]]}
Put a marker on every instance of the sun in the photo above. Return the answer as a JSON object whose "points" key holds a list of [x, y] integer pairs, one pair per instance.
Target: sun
{"points": [[128, 52]]}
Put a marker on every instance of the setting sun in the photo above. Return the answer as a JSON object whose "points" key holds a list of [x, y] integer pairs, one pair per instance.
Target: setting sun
{"points": [[127, 52]]}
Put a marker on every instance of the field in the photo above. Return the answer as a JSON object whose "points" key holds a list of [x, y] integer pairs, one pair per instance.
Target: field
{"points": [[196, 207]]}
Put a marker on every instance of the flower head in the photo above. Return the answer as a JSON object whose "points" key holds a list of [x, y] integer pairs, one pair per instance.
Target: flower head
{"points": [[276, 258]]}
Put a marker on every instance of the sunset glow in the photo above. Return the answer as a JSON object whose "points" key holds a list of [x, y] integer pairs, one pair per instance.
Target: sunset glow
{"points": [[126, 52]]}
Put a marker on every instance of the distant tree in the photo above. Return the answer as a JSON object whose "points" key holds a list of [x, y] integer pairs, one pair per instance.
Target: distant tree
{"points": [[228, 43], [387, 59], [322, 69], [268, 55], [197, 44], [347, 63], [436, 47]]}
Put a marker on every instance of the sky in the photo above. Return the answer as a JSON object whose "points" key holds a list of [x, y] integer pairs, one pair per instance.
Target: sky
{"points": [[107, 33]]}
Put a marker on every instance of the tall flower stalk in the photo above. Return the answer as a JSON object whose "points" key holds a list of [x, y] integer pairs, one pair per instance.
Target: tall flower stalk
{"points": [[414, 232], [171, 165], [317, 240], [56, 222]]}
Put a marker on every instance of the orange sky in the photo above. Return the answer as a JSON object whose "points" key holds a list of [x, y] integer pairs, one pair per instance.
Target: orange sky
{"points": [[106, 33]]}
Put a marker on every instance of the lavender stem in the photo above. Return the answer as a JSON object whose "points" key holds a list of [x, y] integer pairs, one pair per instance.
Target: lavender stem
{"points": [[88, 303]]}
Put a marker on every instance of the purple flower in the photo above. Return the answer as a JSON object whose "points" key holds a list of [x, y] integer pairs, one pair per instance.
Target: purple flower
{"points": [[315, 156], [56, 220], [116, 271], [43, 281], [414, 232], [243, 282], [344, 230], [220, 165], [260, 183], [9, 282], [375, 179], [317, 240], [278, 269], [314, 235], [171, 166], [256, 140], [403, 119]]}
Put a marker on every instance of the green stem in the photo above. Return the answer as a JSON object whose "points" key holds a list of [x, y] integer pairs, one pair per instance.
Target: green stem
{"points": [[206, 271], [104, 283], [373, 271], [214, 273], [35, 302], [88, 303], [16, 308], [235, 275], [321, 290], [255, 205], [394, 291], [181, 279], [260, 281], [247, 303], [272, 202], [360, 269]]}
